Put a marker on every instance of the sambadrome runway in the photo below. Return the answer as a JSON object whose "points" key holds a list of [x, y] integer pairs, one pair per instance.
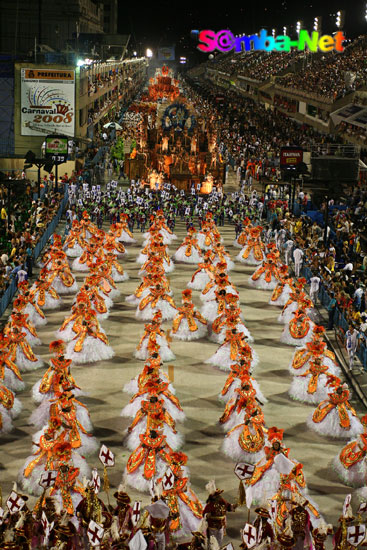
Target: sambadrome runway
{"points": [[197, 386]]}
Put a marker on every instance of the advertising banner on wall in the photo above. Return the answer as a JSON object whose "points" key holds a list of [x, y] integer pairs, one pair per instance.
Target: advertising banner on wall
{"points": [[166, 53], [47, 102]]}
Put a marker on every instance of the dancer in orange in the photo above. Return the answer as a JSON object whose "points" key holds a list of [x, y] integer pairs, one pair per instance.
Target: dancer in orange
{"points": [[89, 345], [299, 330], [253, 252], [266, 276], [154, 339], [189, 252], [189, 324], [335, 417]]}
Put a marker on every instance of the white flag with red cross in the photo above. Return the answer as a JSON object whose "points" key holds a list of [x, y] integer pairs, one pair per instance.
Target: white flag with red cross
{"points": [[249, 535], [273, 509], [244, 470], [135, 516], [15, 503], [95, 533], [168, 480], [346, 504], [48, 479], [47, 527], [96, 481], [106, 456], [362, 508], [356, 534]]}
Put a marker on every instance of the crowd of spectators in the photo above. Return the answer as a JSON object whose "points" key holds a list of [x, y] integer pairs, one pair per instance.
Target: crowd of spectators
{"points": [[332, 75], [258, 65], [23, 222], [340, 260], [351, 130]]}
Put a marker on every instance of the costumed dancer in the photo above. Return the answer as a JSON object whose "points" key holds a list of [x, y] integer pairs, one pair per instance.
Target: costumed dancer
{"points": [[351, 464], [299, 330], [20, 320], [218, 282], [186, 510], [156, 300], [189, 252], [9, 372], [284, 287], [230, 351], [335, 417], [222, 257], [47, 453], [189, 324], [116, 270], [241, 240], [26, 304], [229, 319], [111, 244], [61, 278], [310, 387], [245, 442], [89, 345], [154, 339], [240, 373], [74, 244], [303, 356], [125, 235], [10, 408], [297, 298], [204, 273], [21, 353], [93, 250], [266, 276], [235, 410], [152, 368], [154, 385], [45, 295], [152, 415], [253, 252], [57, 378], [215, 513], [148, 461], [266, 478]]}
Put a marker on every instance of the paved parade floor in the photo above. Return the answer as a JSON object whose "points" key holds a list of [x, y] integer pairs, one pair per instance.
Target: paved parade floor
{"points": [[197, 386]]}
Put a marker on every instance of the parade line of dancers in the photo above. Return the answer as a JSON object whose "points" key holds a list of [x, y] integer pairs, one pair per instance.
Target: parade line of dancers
{"points": [[69, 512]]}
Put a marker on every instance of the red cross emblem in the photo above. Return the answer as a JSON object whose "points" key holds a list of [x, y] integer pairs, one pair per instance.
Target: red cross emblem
{"points": [[273, 509], [168, 480], [44, 521], [15, 503], [244, 470], [346, 505], [96, 481], [356, 534], [95, 533], [48, 479], [136, 512], [249, 535], [362, 508], [106, 456]]}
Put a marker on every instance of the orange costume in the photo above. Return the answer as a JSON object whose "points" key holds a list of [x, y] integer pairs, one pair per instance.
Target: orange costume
{"points": [[335, 416], [189, 324], [253, 251]]}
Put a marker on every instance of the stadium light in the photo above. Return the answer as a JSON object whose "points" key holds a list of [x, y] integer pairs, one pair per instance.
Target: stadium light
{"points": [[149, 53], [365, 12], [285, 31], [317, 24], [273, 32], [339, 19], [298, 26]]}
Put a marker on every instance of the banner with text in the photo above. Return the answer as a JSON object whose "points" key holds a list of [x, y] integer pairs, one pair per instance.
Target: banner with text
{"points": [[47, 102]]}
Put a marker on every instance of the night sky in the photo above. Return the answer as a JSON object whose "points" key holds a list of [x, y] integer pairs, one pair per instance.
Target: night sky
{"points": [[164, 23]]}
